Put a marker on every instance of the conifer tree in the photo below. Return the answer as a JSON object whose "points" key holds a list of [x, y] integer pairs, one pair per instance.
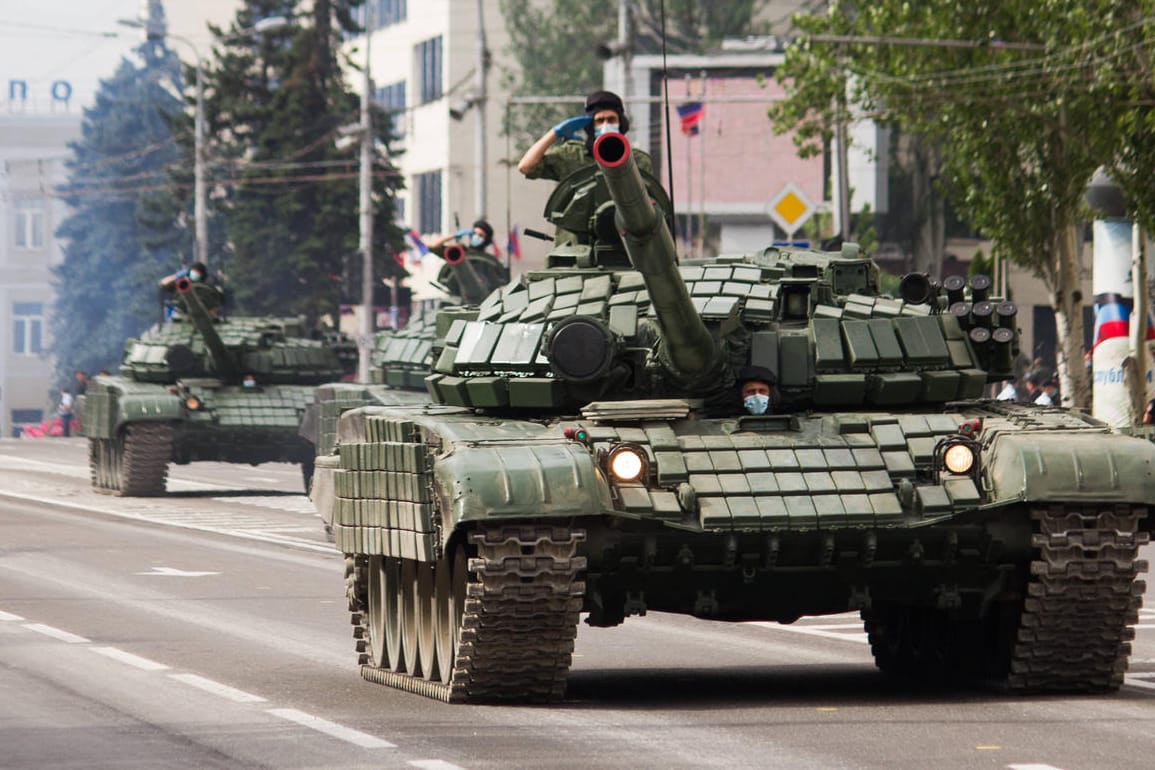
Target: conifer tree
{"points": [[106, 289], [285, 228]]}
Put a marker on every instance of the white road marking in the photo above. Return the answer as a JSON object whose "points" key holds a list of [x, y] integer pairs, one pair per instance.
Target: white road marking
{"points": [[285, 503], [127, 657], [1131, 681], [174, 572], [434, 764], [820, 630], [1032, 767], [216, 688], [263, 530], [56, 633], [9, 616], [332, 729]]}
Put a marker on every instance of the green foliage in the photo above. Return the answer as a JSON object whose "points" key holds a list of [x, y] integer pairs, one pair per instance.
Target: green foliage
{"points": [[285, 228], [1019, 131], [106, 289]]}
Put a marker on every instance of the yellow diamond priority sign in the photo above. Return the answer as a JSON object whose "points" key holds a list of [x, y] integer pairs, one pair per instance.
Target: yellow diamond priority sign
{"points": [[790, 208]]}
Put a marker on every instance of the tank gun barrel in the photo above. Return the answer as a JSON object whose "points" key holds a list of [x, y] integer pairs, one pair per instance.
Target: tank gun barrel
{"points": [[188, 293], [469, 284], [687, 347]]}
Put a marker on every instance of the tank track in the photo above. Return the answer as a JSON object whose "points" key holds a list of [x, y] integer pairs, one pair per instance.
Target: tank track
{"points": [[516, 636], [1082, 600], [135, 466]]}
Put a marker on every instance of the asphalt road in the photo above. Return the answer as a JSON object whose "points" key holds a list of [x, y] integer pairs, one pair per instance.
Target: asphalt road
{"points": [[208, 629]]}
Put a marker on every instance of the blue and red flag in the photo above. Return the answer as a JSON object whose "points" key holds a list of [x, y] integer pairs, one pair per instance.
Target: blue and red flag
{"points": [[417, 247], [1112, 318], [513, 245], [690, 114]]}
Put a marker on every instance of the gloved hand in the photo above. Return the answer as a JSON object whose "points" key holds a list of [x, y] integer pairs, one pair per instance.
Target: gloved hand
{"points": [[463, 232], [570, 127]]}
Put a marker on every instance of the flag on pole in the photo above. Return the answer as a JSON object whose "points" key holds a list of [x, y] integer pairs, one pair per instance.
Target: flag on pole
{"points": [[512, 245], [690, 115], [417, 247]]}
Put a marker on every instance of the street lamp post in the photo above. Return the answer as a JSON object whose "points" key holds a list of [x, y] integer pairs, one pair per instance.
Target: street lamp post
{"points": [[365, 204]]}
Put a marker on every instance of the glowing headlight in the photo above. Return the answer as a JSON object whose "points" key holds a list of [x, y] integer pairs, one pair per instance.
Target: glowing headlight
{"points": [[193, 403], [959, 458], [627, 463]]}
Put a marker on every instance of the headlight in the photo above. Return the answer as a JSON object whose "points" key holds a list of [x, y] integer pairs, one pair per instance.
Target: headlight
{"points": [[958, 458], [192, 403], [627, 463]]}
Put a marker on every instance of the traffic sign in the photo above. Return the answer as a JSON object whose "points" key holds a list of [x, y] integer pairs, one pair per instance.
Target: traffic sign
{"points": [[790, 208]]}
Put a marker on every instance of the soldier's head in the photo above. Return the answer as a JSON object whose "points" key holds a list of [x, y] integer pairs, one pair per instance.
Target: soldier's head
{"points": [[607, 114], [198, 271], [756, 386], [482, 235]]}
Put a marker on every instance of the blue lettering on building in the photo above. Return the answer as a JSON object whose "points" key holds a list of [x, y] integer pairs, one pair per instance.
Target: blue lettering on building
{"points": [[60, 90]]}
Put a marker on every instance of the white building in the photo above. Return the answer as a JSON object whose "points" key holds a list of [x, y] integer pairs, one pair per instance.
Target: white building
{"points": [[33, 148], [424, 59]]}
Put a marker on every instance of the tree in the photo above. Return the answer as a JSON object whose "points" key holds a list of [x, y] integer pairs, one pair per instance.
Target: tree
{"points": [[107, 281], [1014, 112], [286, 197]]}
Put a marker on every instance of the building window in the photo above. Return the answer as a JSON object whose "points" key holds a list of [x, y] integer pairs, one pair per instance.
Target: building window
{"points": [[28, 227], [392, 100], [429, 69], [429, 202], [385, 12], [27, 325]]}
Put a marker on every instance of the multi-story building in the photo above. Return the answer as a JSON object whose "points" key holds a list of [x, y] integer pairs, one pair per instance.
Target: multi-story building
{"points": [[33, 148]]}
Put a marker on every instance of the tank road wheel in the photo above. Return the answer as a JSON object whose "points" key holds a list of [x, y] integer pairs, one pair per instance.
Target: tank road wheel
{"points": [[502, 624], [142, 454], [407, 595], [1082, 600], [375, 609], [912, 642], [425, 620], [391, 591]]}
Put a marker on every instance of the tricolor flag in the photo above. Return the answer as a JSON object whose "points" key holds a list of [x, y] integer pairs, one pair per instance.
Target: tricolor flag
{"points": [[690, 114], [1113, 318], [513, 245], [416, 246]]}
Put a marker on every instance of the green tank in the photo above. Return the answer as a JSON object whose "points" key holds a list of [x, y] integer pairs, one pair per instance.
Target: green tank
{"points": [[586, 451], [204, 387]]}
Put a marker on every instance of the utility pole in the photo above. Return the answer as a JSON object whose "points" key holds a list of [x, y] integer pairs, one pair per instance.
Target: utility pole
{"points": [[365, 336], [479, 102]]}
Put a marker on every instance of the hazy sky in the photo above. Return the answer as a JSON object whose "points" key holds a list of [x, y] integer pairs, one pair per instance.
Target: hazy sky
{"points": [[79, 41]]}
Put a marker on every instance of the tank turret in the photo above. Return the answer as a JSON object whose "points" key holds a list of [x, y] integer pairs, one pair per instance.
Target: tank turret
{"points": [[687, 347], [198, 300]]}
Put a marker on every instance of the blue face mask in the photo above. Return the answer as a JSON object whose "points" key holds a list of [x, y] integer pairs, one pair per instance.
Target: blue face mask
{"points": [[195, 275], [606, 128], [756, 403], [476, 241]]}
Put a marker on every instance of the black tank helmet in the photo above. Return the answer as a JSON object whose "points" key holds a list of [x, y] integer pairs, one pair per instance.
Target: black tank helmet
{"points": [[608, 100], [485, 228]]}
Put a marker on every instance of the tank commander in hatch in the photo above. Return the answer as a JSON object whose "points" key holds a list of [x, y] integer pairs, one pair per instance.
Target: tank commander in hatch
{"points": [[756, 384], [560, 151], [479, 238]]}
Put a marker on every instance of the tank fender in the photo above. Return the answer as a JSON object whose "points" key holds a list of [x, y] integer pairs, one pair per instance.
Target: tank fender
{"points": [[1092, 466], [532, 480], [107, 409]]}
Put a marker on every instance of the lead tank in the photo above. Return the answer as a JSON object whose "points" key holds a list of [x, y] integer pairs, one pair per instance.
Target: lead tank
{"points": [[201, 387], [587, 453]]}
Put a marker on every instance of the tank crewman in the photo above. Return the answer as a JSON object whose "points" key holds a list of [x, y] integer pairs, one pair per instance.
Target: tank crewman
{"points": [[195, 272], [477, 241], [477, 238], [560, 151], [756, 385]]}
